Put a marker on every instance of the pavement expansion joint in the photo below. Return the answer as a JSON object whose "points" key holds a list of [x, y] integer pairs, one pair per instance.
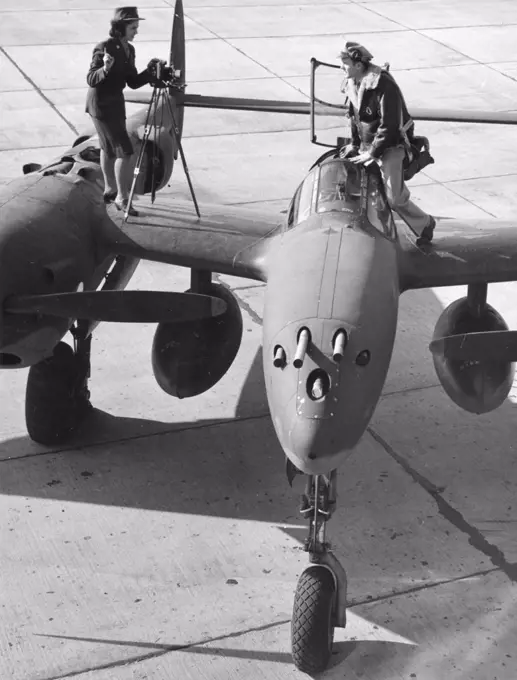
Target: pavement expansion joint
{"points": [[447, 187], [250, 287], [160, 649], [239, 133], [407, 390], [472, 179], [256, 318], [445, 509], [423, 586], [39, 91]]}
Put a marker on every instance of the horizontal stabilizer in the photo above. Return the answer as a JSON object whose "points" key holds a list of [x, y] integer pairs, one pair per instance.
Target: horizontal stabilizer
{"points": [[326, 109], [465, 116], [498, 346], [241, 104], [266, 105], [131, 306]]}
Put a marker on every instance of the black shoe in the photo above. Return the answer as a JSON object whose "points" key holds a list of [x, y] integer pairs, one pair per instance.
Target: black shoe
{"points": [[427, 235], [109, 196], [123, 205]]}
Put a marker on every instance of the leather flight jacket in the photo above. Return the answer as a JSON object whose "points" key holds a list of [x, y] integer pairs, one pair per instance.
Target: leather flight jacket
{"points": [[377, 112]]}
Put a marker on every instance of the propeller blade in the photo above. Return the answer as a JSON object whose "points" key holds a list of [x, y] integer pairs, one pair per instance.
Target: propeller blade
{"points": [[131, 306], [500, 346]]}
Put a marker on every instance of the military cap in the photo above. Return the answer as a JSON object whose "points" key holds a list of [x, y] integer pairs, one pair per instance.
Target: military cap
{"points": [[127, 14], [356, 52]]}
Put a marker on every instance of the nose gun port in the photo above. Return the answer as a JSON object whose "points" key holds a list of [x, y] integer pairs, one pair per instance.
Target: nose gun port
{"points": [[318, 384], [304, 337]]}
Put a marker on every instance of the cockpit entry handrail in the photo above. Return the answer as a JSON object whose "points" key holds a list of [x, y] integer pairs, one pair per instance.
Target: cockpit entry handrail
{"points": [[315, 64]]}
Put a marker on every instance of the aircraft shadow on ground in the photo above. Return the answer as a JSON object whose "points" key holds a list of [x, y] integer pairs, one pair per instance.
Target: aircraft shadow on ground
{"points": [[235, 468], [148, 460], [231, 468]]}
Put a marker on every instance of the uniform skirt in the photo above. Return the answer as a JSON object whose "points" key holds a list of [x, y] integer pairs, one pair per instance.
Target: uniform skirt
{"points": [[113, 137]]}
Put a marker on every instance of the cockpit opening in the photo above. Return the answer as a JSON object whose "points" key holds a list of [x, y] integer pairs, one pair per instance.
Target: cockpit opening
{"points": [[340, 187]]}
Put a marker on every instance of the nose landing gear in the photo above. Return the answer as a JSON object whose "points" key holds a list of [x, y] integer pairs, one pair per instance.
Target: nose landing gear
{"points": [[320, 597]]}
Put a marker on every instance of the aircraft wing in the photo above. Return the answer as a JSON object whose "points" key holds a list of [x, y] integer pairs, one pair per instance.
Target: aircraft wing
{"points": [[461, 253], [226, 239]]}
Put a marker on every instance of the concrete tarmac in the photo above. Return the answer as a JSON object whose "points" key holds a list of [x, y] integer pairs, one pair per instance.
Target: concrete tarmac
{"points": [[164, 542]]}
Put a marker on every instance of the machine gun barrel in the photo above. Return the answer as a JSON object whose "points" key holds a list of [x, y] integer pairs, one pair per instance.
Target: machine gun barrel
{"points": [[279, 358], [303, 343], [338, 350]]}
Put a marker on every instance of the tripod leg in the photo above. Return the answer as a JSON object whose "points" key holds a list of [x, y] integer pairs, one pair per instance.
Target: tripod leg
{"points": [[155, 161], [138, 165], [183, 159]]}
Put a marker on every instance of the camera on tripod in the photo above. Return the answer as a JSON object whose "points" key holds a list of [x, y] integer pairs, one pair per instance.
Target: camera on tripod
{"points": [[161, 75]]}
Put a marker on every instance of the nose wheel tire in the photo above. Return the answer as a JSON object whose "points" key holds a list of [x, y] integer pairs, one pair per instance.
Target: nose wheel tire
{"points": [[55, 397], [312, 624]]}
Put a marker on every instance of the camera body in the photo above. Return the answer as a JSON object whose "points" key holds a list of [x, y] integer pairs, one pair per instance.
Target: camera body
{"points": [[161, 75], [164, 73]]}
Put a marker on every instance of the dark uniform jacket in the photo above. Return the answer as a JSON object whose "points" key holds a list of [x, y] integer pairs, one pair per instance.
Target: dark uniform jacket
{"points": [[105, 99], [375, 112]]}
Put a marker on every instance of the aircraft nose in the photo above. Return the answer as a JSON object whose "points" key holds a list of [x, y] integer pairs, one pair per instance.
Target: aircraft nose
{"points": [[316, 445], [329, 327], [313, 426]]}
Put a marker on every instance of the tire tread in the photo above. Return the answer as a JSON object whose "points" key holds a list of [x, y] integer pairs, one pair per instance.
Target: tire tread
{"points": [[311, 639]]}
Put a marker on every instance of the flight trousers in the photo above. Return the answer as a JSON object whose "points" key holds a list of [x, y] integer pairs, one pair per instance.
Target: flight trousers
{"points": [[398, 194]]}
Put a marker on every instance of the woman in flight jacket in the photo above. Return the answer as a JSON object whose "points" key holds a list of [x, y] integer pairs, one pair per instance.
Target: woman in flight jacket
{"points": [[111, 69], [378, 119]]}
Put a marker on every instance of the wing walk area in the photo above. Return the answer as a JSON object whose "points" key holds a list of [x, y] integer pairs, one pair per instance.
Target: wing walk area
{"points": [[462, 252], [226, 239]]}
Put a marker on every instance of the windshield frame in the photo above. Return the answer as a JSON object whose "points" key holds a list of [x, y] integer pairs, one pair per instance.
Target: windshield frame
{"points": [[364, 207], [358, 170]]}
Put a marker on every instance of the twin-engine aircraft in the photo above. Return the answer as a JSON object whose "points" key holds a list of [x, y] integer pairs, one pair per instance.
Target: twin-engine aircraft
{"points": [[334, 271]]}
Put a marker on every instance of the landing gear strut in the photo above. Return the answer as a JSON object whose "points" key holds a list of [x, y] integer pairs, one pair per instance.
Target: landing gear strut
{"points": [[57, 396], [320, 597]]}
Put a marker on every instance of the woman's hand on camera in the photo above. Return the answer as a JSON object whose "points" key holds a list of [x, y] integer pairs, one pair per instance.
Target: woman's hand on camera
{"points": [[151, 66], [108, 60]]}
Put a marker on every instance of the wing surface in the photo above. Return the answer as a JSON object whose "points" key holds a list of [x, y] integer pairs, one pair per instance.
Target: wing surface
{"points": [[462, 253], [226, 239]]}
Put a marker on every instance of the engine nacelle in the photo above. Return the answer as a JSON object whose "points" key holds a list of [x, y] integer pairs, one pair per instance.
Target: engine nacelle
{"points": [[477, 386], [191, 357], [159, 155]]}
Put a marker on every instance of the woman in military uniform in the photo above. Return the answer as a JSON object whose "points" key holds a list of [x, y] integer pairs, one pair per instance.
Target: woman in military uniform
{"points": [[111, 69]]}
